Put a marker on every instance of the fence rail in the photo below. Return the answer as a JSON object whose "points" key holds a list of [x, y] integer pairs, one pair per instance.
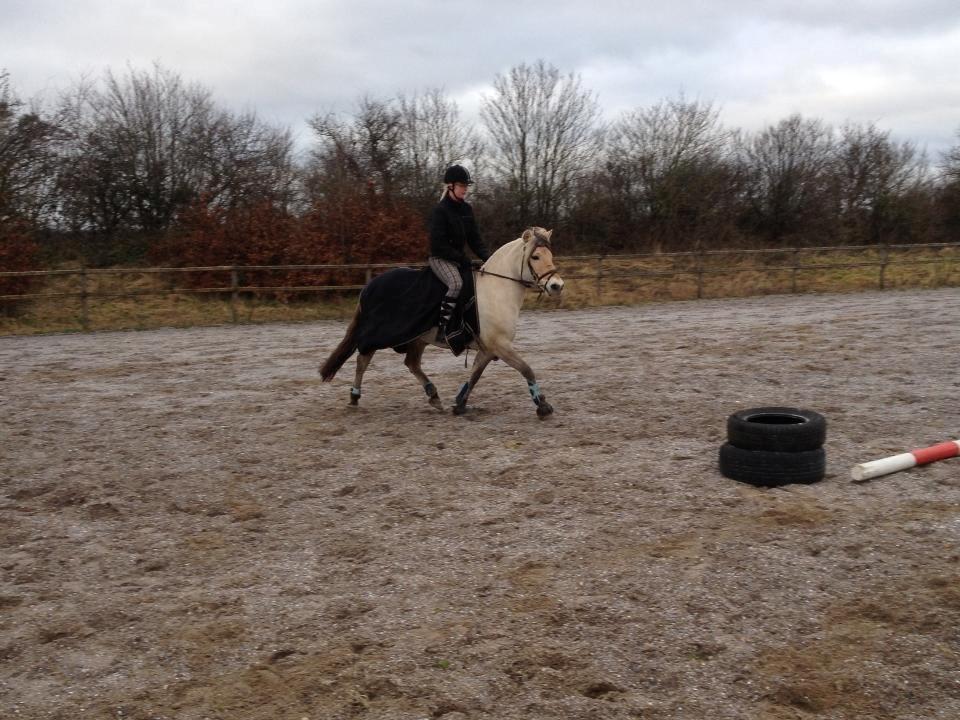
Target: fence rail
{"points": [[598, 269]]}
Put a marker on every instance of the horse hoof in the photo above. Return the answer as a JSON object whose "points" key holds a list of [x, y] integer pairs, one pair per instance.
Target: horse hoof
{"points": [[459, 409], [544, 409], [436, 402]]}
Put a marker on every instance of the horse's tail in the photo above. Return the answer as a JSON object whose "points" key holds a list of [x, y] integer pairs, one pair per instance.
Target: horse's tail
{"points": [[343, 351]]}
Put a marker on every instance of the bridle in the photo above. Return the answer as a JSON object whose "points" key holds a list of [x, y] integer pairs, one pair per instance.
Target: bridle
{"points": [[539, 282]]}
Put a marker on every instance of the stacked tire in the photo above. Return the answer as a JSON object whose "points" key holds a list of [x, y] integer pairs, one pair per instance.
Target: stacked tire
{"points": [[774, 446]]}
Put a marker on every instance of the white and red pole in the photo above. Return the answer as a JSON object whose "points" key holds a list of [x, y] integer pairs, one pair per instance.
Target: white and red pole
{"points": [[895, 463]]}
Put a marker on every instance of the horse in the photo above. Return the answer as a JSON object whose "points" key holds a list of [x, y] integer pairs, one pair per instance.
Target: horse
{"points": [[501, 282]]}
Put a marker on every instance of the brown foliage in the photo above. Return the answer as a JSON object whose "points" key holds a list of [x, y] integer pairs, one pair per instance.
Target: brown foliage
{"points": [[366, 228], [18, 252], [352, 229]]}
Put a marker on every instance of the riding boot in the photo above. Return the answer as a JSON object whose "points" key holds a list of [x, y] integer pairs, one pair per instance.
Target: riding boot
{"points": [[446, 310]]}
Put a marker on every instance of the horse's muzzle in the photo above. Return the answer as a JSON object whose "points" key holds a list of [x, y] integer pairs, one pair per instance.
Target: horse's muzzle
{"points": [[554, 286]]}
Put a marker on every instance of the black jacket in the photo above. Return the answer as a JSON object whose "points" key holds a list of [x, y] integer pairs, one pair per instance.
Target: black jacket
{"points": [[452, 226]]}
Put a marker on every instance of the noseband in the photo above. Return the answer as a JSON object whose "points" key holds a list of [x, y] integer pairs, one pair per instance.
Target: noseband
{"points": [[540, 281]]}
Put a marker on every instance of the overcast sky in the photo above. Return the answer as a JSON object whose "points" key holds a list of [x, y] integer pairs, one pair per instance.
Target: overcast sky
{"points": [[893, 63]]}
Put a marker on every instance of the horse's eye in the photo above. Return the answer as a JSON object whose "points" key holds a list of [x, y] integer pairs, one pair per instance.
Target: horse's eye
{"points": [[534, 257]]}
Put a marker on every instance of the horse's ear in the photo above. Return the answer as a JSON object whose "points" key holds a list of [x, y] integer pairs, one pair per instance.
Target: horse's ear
{"points": [[527, 235], [549, 234]]}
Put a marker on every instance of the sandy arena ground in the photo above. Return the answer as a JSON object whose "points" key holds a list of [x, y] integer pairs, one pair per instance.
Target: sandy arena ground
{"points": [[193, 526]]}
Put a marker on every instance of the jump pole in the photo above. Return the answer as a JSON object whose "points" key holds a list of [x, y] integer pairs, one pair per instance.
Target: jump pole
{"points": [[904, 461]]}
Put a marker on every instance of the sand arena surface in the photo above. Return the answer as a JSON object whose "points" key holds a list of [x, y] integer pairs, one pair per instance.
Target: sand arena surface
{"points": [[193, 526]]}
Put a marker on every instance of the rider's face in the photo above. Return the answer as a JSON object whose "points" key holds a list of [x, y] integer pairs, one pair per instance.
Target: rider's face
{"points": [[459, 190]]}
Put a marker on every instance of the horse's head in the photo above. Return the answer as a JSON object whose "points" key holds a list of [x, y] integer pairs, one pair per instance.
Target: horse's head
{"points": [[538, 254]]}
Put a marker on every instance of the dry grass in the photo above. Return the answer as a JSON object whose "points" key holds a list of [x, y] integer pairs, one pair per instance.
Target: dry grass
{"points": [[630, 281], [623, 281], [161, 304]]}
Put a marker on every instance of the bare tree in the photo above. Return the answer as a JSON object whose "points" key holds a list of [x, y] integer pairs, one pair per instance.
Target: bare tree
{"points": [[355, 164], [154, 120], [877, 181], [25, 170], [951, 162], [27, 159], [789, 166], [948, 193], [434, 137], [241, 160], [673, 173], [93, 177], [543, 133], [142, 147], [366, 149]]}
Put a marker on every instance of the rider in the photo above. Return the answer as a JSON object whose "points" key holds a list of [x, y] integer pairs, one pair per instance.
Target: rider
{"points": [[452, 225]]}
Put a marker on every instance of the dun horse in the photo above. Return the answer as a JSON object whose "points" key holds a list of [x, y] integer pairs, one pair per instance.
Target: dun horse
{"points": [[526, 262]]}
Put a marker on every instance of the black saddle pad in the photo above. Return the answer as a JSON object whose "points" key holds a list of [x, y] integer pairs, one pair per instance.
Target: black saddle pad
{"points": [[402, 304]]}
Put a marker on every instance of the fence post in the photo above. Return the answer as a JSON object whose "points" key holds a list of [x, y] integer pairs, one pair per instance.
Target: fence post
{"points": [[368, 276], [794, 269], [884, 260], [699, 257], [84, 311], [234, 284], [599, 278]]}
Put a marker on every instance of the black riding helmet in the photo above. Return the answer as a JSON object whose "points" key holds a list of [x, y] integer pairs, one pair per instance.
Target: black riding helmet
{"points": [[457, 174]]}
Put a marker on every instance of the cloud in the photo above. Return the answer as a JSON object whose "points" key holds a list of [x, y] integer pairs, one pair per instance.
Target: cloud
{"points": [[886, 61]]}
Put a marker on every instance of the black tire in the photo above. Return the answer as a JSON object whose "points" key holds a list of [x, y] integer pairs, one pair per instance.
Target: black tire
{"points": [[777, 429], [765, 468]]}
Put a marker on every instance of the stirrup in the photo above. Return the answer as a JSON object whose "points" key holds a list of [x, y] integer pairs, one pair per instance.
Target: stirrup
{"points": [[446, 311]]}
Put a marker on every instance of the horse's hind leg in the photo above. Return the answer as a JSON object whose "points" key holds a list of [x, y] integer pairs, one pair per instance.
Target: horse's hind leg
{"points": [[412, 361], [363, 361], [511, 358]]}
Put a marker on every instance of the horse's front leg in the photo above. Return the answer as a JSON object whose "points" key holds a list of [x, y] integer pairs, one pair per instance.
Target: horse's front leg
{"points": [[412, 361], [480, 363], [511, 358], [363, 361]]}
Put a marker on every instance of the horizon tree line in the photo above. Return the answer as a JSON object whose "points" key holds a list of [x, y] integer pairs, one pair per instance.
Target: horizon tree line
{"points": [[145, 166]]}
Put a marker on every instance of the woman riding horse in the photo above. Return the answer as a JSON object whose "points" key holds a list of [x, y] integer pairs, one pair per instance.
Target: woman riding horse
{"points": [[452, 225], [519, 265]]}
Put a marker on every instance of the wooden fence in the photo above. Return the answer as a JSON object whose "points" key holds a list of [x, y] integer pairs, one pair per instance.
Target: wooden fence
{"points": [[596, 270]]}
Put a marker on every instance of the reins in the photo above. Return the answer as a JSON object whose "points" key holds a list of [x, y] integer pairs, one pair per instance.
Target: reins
{"points": [[525, 283]]}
